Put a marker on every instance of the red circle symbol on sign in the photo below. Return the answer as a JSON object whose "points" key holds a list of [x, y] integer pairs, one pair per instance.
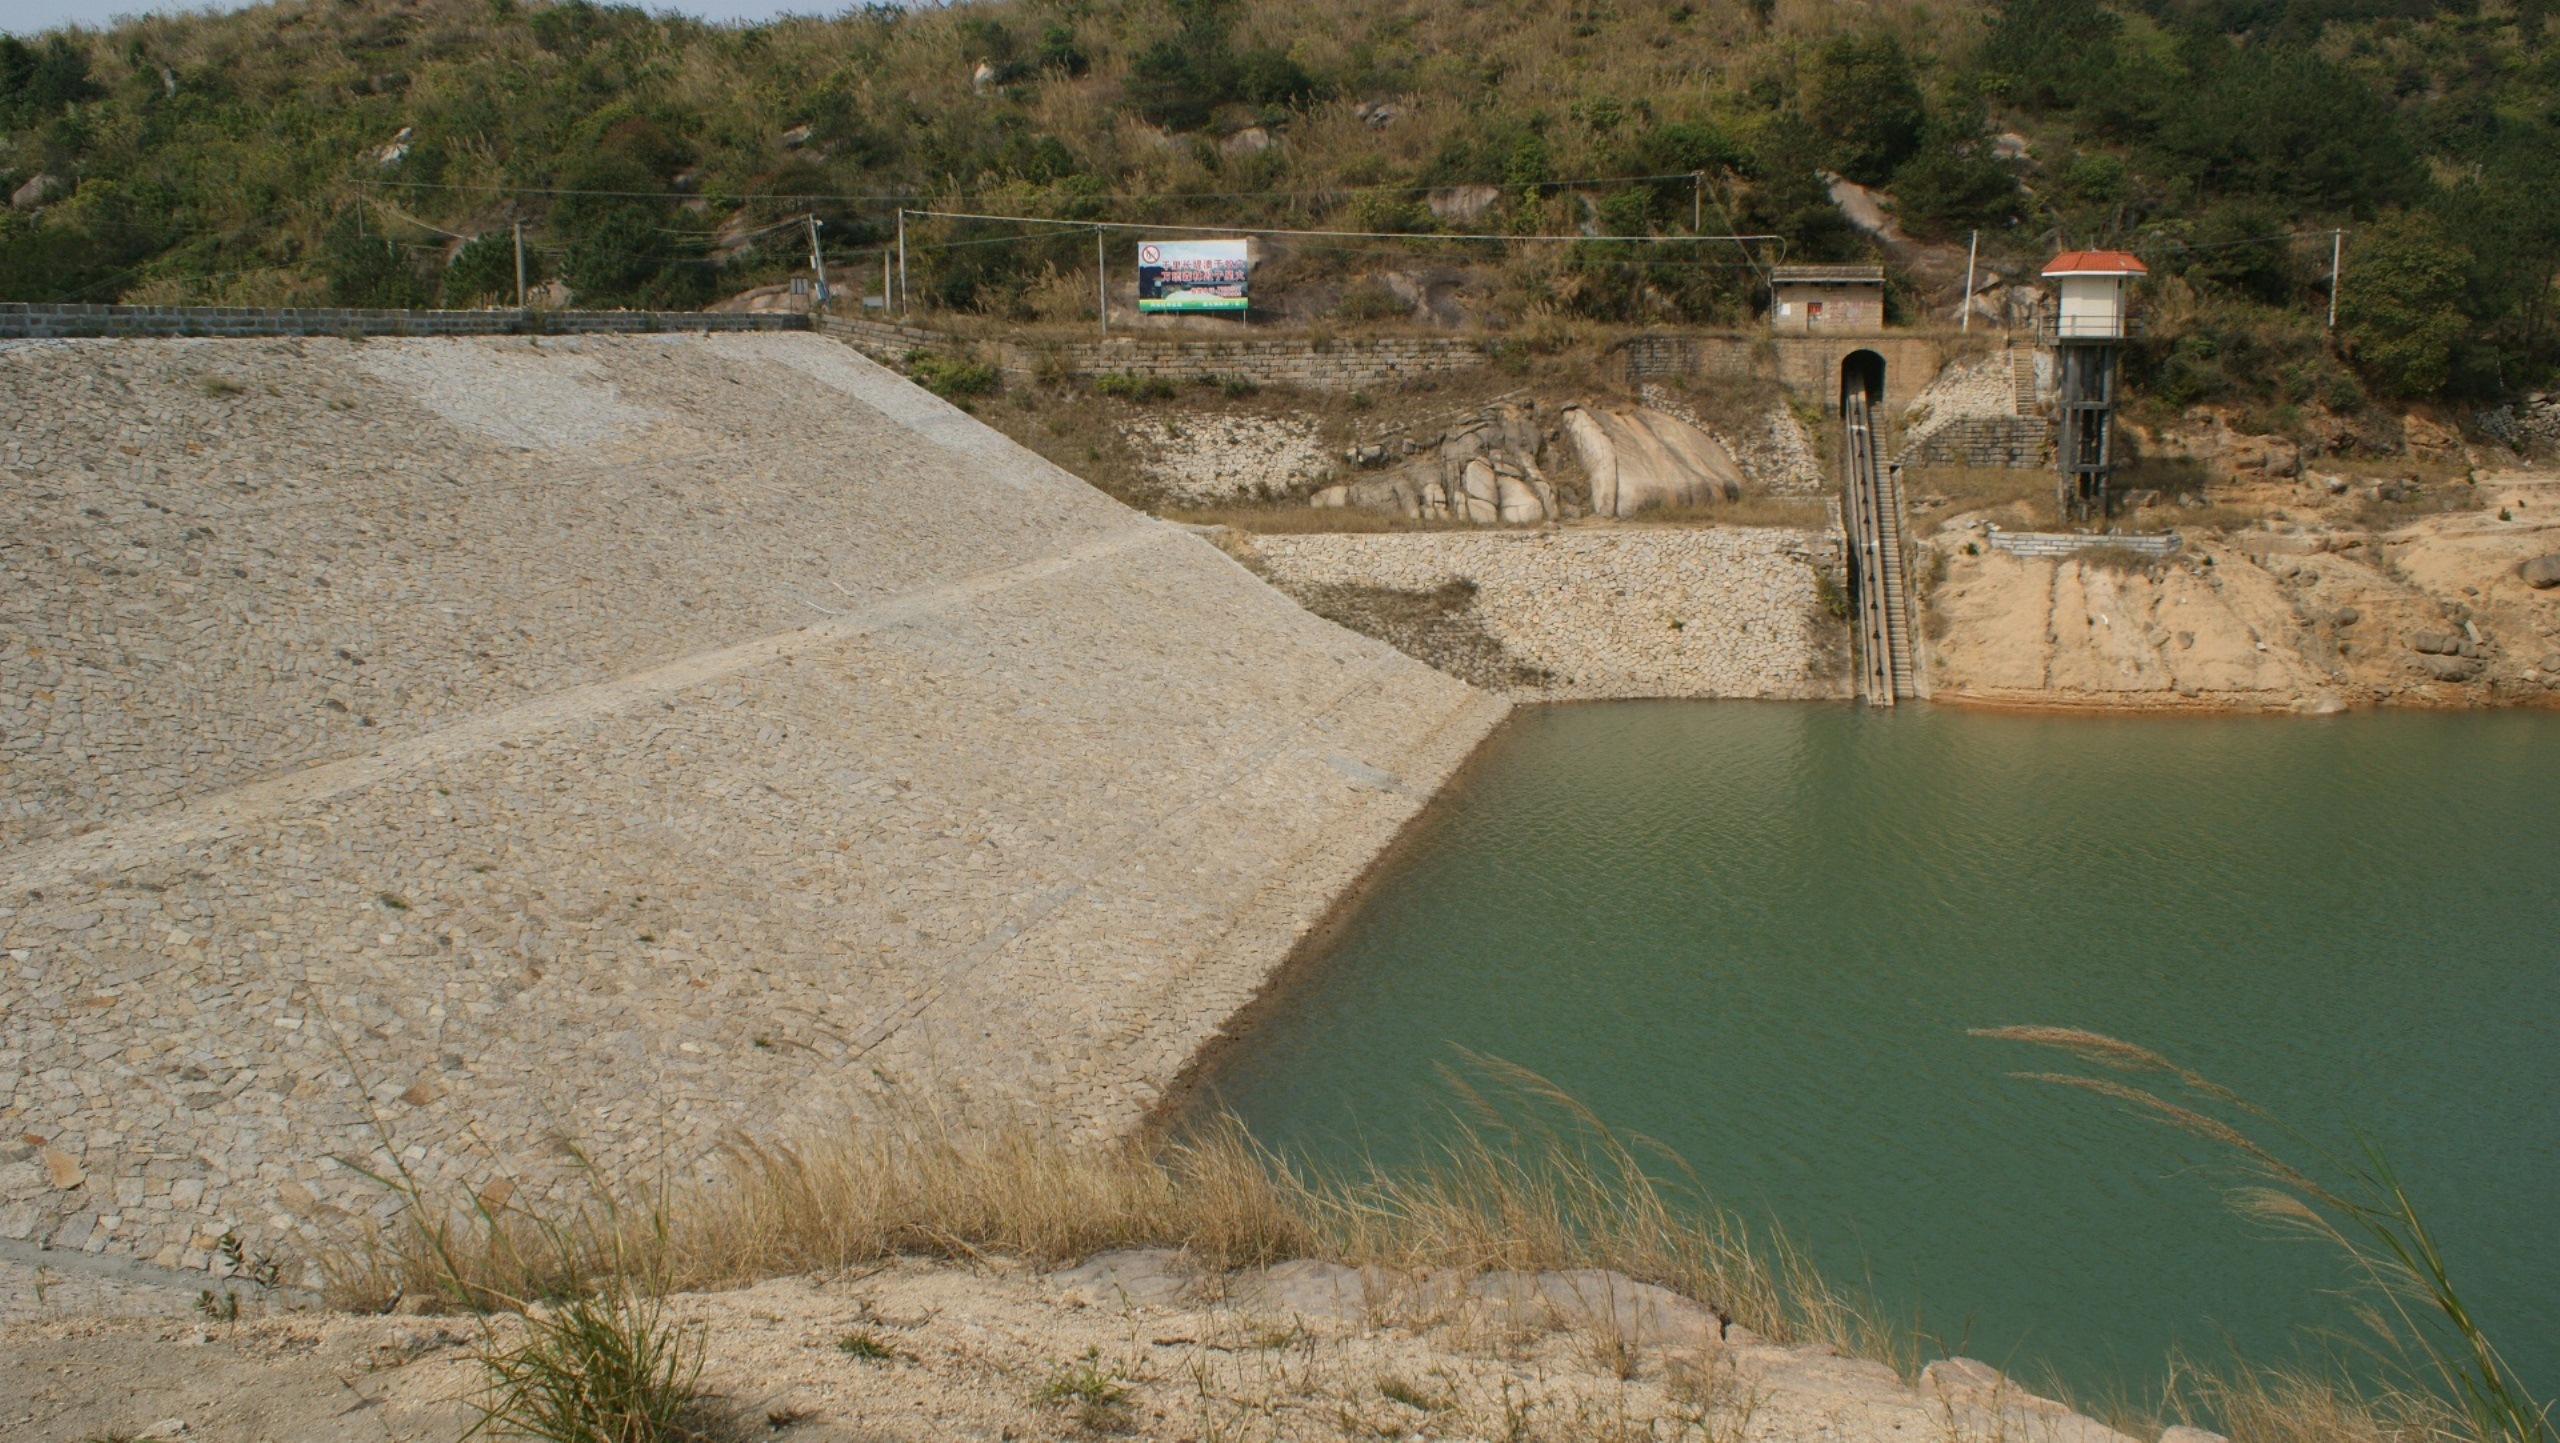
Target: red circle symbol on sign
{"points": [[1148, 255]]}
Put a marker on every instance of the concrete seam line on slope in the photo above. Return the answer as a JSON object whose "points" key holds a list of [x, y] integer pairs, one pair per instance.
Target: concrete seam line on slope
{"points": [[120, 846], [123, 1268]]}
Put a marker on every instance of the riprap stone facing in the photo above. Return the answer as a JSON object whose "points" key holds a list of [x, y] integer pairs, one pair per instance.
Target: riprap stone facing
{"points": [[399, 777]]}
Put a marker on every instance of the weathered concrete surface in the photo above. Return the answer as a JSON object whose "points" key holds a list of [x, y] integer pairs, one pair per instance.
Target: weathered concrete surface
{"points": [[1617, 611], [416, 751]]}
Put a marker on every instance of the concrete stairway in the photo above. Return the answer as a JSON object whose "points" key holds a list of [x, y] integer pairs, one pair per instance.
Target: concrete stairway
{"points": [[1871, 513]]}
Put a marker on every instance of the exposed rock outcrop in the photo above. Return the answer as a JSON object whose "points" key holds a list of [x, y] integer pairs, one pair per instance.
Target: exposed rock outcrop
{"points": [[1640, 459], [1482, 470]]}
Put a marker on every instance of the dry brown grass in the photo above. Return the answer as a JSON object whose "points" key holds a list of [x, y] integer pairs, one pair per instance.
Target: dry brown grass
{"points": [[2277, 1405], [2023, 498], [1557, 1191]]}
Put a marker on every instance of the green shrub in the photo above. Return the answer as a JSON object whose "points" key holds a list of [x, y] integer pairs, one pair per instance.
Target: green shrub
{"points": [[952, 377], [1125, 386], [2400, 303], [483, 271], [1369, 301]]}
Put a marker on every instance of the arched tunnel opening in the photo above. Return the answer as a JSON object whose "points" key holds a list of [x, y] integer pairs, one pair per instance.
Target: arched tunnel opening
{"points": [[1862, 373]]}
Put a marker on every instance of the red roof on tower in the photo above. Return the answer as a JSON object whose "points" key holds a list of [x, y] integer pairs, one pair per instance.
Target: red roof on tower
{"points": [[2096, 263]]}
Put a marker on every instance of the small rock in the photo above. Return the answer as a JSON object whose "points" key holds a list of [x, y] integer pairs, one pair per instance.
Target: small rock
{"points": [[2347, 616], [1641, 1313], [1304, 1288], [63, 1168], [2542, 572], [1961, 1378], [2184, 1434], [2449, 668], [1252, 140], [35, 192], [2436, 643], [1129, 1277], [796, 137]]}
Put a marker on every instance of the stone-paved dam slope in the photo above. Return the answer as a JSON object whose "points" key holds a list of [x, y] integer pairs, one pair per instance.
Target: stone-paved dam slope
{"points": [[445, 747]]}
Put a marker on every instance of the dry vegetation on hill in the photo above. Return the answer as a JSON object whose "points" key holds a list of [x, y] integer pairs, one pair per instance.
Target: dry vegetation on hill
{"points": [[380, 150]]}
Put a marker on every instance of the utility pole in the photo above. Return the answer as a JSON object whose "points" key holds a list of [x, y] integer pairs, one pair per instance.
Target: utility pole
{"points": [[519, 264], [884, 284], [817, 263], [1972, 248], [2337, 258], [902, 261], [1101, 281], [1697, 202]]}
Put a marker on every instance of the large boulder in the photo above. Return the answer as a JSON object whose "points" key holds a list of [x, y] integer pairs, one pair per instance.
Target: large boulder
{"points": [[1641, 459], [1483, 493], [35, 192], [2542, 572]]}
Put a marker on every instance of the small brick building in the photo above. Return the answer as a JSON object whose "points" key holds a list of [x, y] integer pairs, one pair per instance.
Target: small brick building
{"points": [[1826, 298]]}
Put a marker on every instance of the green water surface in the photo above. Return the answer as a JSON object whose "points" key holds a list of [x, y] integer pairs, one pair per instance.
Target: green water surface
{"points": [[1759, 934]]}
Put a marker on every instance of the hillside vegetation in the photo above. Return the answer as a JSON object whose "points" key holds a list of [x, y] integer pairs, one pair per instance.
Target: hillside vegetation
{"points": [[380, 152]]}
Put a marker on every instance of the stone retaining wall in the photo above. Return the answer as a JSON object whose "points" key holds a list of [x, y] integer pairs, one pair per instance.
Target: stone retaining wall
{"points": [[19, 321], [1348, 364], [2014, 442], [416, 752]]}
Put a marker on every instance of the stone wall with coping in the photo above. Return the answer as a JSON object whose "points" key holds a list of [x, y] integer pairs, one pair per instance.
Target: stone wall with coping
{"points": [[46, 321], [1339, 365]]}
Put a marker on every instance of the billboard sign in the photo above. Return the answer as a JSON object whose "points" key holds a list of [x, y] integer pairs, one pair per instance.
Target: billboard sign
{"points": [[1193, 275]]}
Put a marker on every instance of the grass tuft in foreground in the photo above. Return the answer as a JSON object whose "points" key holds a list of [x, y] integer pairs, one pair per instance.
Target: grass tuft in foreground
{"points": [[610, 1368]]}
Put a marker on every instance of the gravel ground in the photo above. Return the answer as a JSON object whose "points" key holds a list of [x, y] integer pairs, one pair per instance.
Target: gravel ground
{"points": [[1134, 1344], [1210, 459], [1611, 611]]}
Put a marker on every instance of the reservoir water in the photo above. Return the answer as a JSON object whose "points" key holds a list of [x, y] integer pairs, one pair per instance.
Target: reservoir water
{"points": [[1759, 934]]}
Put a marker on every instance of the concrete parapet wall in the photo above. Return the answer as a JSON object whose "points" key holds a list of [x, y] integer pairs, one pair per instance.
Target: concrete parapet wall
{"points": [[19, 321], [417, 751]]}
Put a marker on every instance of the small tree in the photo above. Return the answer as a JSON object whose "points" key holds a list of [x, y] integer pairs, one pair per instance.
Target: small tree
{"points": [[484, 271], [1954, 181], [1865, 103], [2400, 302], [368, 268]]}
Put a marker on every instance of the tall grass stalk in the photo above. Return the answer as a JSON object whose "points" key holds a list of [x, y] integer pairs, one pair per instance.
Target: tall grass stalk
{"points": [[2420, 1323], [1507, 1191]]}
